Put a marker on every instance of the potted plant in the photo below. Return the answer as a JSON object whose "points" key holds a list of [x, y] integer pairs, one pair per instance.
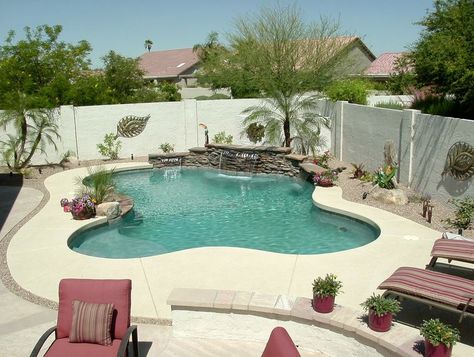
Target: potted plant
{"points": [[82, 207], [324, 293], [65, 204], [439, 338], [380, 311]]}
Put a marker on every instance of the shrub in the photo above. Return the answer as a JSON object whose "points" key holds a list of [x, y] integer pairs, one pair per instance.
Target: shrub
{"points": [[111, 146], [222, 138], [167, 148], [384, 176], [212, 97], [437, 105], [391, 105], [323, 160], [358, 171], [463, 215], [352, 90], [98, 184]]}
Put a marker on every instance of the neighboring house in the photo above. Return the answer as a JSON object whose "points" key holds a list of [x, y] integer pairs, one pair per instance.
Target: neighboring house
{"points": [[176, 66], [180, 66], [359, 57], [383, 66]]}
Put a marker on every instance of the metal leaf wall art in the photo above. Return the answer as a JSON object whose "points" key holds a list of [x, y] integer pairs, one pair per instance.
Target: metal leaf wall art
{"points": [[460, 161], [131, 126]]}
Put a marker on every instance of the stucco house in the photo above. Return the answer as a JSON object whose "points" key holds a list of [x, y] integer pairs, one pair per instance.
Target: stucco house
{"points": [[179, 66], [176, 66], [383, 67]]}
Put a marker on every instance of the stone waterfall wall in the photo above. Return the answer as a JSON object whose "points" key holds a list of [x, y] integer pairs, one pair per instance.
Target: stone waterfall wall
{"points": [[254, 159]]}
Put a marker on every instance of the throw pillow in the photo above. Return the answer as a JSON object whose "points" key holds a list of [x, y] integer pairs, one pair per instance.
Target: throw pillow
{"points": [[91, 323]]}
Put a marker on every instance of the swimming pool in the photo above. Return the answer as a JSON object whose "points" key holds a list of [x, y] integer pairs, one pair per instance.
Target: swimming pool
{"points": [[183, 208]]}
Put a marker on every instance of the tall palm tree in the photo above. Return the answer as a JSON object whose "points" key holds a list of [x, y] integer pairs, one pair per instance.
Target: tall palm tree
{"points": [[148, 44], [289, 121]]}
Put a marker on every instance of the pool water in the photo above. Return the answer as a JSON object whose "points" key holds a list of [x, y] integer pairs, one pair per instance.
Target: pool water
{"points": [[178, 209]]}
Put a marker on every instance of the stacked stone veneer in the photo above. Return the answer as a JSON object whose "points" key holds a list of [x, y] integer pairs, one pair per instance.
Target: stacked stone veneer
{"points": [[255, 159]]}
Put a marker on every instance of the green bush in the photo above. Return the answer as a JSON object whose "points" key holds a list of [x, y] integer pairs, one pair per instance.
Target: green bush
{"points": [[390, 105], [352, 90], [437, 105], [212, 97], [327, 286], [111, 146], [255, 132], [437, 332], [167, 148], [222, 138], [99, 184], [381, 305]]}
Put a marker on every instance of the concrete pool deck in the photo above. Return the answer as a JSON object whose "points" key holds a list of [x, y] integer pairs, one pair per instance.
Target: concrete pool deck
{"points": [[38, 257]]}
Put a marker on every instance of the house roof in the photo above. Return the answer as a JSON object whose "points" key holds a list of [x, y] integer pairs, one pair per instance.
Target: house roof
{"points": [[384, 65], [166, 64]]}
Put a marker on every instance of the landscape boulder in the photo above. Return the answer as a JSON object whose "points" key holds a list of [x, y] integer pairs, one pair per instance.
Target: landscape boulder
{"points": [[110, 209], [396, 196]]}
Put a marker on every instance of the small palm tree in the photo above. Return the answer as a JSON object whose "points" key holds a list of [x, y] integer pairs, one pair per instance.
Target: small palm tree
{"points": [[148, 44], [289, 121]]}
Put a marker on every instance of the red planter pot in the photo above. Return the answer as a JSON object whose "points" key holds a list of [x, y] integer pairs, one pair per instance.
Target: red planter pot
{"points": [[83, 215], [380, 323], [437, 351], [323, 304]]}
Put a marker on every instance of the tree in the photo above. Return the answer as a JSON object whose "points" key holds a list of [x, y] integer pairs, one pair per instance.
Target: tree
{"points": [[295, 118], [403, 80], [123, 77], [148, 44], [36, 72], [444, 55], [206, 49], [284, 57]]}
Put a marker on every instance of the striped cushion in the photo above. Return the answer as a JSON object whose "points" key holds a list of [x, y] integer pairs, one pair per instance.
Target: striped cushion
{"points": [[447, 289], [454, 249], [91, 323]]}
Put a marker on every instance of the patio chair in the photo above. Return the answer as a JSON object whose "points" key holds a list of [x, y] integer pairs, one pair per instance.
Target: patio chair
{"points": [[87, 309], [432, 288], [452, 249], [280, 344]]}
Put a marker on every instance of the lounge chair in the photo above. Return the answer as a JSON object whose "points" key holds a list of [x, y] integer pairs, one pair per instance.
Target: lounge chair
{"points": [[452, 249], [87, 309], [280, 344], [433, 288]]}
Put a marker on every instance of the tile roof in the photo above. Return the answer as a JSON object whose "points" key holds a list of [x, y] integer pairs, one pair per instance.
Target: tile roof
{"points": [[384, 65], [165, 64]]}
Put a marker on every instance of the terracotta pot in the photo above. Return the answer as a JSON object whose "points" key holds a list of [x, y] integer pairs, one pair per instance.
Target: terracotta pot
{"points": [[323, 304], [380, 323], [437, 351]]}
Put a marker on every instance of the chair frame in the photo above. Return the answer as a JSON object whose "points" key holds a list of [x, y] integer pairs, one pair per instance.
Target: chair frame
{"points": [[431, 303], [131, 331]]}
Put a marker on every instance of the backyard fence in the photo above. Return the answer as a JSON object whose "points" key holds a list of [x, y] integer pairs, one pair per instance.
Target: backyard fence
{"points": [[357, 135]]}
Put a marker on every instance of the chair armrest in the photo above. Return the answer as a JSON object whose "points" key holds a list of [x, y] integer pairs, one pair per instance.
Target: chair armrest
{"points": [[132, 330], [41, 341]]}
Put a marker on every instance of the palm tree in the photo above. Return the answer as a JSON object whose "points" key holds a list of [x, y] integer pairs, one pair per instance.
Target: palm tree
{"points": [[35, 129], [148, 44], [289, 121], [203, 49]]}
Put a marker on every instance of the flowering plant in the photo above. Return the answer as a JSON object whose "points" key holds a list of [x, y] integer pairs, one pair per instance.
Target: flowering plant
{"points": [[83, 207], [64, 202], [323, 160], [325, 179], [437, 332]]}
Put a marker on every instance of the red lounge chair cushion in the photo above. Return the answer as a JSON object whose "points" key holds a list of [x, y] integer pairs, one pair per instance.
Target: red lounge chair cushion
{"points": [[447, 289], [62, 348], [454, 249], [91, 323], [280, 344], [116, 292]]}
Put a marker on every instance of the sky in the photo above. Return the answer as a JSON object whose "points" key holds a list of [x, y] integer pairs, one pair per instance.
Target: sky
{"points": [[123, 26]]}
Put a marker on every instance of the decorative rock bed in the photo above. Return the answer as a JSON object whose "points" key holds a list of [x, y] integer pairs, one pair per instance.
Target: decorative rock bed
{"points": [[254, 159]]}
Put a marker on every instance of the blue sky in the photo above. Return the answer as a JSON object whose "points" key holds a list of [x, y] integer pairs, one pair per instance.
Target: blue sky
{"points": [[123, 26]]}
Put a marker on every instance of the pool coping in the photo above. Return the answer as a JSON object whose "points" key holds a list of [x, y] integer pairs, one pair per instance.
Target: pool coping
{"points": [[33, 263]]}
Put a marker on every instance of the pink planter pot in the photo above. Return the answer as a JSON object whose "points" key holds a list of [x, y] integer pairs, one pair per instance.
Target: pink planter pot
{"points": [[323, 304], [437, 351], [380, 323]]}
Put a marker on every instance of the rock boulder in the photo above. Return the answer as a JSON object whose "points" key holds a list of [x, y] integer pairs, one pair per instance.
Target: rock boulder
{"points": [[395, 196], [110, 209]]}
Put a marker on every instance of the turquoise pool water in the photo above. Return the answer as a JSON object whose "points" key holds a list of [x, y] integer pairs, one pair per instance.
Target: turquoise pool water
{"points": [[178, 209]]}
